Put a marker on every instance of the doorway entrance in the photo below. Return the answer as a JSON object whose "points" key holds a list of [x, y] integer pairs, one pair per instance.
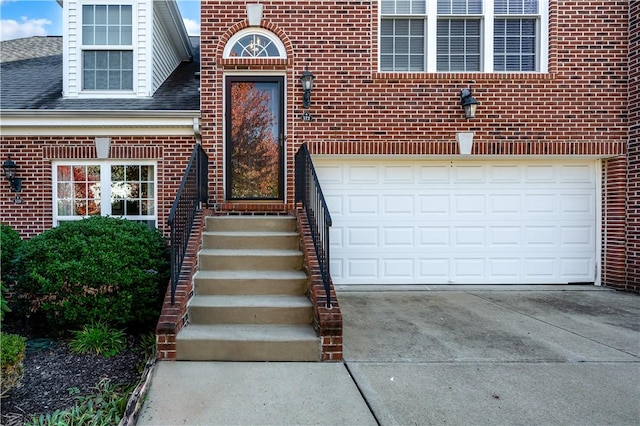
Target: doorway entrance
{"points": [[254, 138]]}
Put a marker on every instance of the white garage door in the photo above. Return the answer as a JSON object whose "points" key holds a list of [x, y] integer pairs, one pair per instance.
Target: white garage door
{"points": [[460, 222]]}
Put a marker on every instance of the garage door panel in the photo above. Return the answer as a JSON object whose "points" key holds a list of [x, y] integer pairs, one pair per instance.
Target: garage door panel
{"points": [[394, 237], [465, 222], [577, 173], [398, 205], [435, 173], [359, 237], [362, 174]]}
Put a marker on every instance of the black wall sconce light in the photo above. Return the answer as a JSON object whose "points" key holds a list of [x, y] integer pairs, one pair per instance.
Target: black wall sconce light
{"points": [[307, 86], [10, 168], [469, 103]]}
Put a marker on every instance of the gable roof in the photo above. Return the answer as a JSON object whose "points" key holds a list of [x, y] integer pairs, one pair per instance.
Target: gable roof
{"points": [[32, 80]]}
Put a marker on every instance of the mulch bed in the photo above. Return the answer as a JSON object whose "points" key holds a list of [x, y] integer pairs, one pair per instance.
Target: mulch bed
{"points": [[53, 375]]}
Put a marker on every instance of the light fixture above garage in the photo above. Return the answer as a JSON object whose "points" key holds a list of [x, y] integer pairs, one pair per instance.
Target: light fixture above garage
{"points": [[469, 103]]}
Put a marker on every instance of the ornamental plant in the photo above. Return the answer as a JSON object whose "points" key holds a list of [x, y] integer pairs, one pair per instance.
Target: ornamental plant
{"points": [[12, 349], [94, 270], [98, 338]]}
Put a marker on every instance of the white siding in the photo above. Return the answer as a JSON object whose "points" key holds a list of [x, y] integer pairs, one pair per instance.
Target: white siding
{"points": [[165, 57]]}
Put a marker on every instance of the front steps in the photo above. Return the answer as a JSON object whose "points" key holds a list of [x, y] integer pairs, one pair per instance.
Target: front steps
{"points": [[250, 300]]}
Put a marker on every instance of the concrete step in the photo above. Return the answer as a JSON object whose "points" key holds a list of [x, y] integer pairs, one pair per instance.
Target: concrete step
{"points": [[248, 343], [250, 240], [253, 223], [249, 259], [262, 309], [250, 282]]}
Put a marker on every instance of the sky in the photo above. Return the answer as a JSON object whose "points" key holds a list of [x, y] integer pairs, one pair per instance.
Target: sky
{"points": [[26, 18]]}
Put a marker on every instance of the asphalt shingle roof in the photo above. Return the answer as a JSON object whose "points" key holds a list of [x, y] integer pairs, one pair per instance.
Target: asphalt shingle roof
{"points": [[33, 80]]}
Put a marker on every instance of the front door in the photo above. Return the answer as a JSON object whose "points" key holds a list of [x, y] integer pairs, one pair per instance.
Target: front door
{"points": [[254, 138]]}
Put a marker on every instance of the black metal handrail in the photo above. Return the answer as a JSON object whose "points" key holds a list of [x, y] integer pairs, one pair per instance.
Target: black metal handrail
{"points": [[309, 193], [192, 192]]}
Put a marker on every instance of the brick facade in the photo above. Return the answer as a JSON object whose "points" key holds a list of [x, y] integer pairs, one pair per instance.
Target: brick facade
{"points": [[34, 157], [633, 158], [579, 107], [582, 106]]}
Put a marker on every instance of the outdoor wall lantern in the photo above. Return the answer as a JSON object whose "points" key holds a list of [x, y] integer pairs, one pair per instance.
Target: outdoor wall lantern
{"points": [[469, 103], [307, 86], [9, 167]]}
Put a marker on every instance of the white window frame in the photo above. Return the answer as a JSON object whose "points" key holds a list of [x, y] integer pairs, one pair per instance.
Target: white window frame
{"points": [[105, 93], [282, 52], [488, 17], [105, 188]]}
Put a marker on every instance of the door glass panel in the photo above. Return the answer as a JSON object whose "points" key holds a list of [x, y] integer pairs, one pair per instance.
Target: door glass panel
{"points": [[253, 139]]}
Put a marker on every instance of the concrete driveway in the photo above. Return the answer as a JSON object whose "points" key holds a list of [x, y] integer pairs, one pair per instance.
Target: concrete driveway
{"points": [[563, 355], [551, 355]]}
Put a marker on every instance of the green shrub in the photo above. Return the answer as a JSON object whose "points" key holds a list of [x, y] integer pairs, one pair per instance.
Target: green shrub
{"points": [[97, 269], [10, 242], [12, 349], [100, 339], [4, 305]]}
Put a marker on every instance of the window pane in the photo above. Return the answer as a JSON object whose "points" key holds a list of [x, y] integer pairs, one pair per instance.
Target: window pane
{"points": [[125, 36], [133, 208], [102, 80], [402, 39], [113, 15], [87, 35], [113, 35], [108, 70], [133, 173], [64, 173], [100, 35], [515, 45], [515, 7], [459, 7], [146, 173], [107, 25], [127, 80], [459, 45], [87, 15], [125, 17], [403, 7]]}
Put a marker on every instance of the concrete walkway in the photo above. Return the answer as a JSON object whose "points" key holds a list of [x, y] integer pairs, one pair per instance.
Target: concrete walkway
{"points": [[565, 355]]}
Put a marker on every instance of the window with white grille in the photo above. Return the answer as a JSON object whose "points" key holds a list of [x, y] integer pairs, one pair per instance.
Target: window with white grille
{"points": [[125, 189], [463, 35], [107, 47]]}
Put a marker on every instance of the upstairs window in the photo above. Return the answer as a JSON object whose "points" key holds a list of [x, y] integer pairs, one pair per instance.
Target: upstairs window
{"points": [[463, 35], [107, 47]]}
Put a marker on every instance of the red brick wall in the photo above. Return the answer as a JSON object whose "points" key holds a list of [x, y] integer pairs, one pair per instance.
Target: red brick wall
{"points": [[34, 156], [614, 238], [580, 107], [633, 201]]}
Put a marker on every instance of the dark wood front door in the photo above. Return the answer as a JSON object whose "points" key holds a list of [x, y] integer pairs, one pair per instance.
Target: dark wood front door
{"points": [[254, 138]]}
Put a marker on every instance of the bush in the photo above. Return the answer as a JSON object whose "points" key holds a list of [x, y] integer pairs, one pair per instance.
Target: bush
{"points": [[4, 305], [97, 269], [10, 242], [12, 349]]}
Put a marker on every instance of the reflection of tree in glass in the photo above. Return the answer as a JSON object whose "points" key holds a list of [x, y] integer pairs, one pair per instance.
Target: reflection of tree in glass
{"points": [[254, 158], [79, 190]]}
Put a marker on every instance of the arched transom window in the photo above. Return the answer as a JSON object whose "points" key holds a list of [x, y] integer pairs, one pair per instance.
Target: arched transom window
{"points": [[254, 43]]}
